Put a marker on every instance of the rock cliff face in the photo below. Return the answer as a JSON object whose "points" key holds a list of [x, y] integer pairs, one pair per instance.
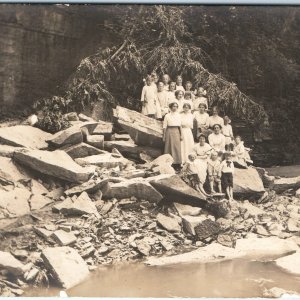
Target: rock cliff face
{"points": [[40, 45]]}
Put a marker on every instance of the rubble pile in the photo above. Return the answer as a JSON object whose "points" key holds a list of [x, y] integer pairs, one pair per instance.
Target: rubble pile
{"points": [[92, 195]]}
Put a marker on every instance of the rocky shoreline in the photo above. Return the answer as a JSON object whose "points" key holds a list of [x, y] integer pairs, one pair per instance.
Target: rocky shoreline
{"points": [[90, 195]]}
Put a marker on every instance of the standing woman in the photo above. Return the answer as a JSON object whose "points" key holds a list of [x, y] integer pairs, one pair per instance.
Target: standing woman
{"points": [[172, 135], [187, 122]]}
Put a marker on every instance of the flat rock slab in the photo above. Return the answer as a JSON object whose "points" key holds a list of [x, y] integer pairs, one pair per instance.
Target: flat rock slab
{"points": [[72, 135], [80, 206], [283, 184], [96, 141], [66, 266], [81, 150], [168, 223], [90, 186], [187, 210], [290, 263], [42, 232], [9, 172], [211, 253], [191, 222], [136, 187], [11, 264], [253, 210], [8, 151], [130, 149], [247, 182], [39, 201], [176, 190], [107, 160], [14, 203], [57, 164], [104, 128], [64, 238], [143, 130], [284, 171], [24, 136], [267, 246]]}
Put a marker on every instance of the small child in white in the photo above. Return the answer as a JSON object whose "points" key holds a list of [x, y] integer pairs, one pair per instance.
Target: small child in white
{"points": [[241, 153], [213, 166], [195, 171], [226, 172]]}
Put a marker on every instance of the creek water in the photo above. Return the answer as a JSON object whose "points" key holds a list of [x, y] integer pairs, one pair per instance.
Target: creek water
{"points": [[236, 278]]}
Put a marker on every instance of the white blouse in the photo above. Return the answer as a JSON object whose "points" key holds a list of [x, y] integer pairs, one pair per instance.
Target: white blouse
{"points": [[180, 88], [227, 130], [187, 120], [202, 152], [217, 141], [172, 119], [199, 100], [202, 119]]}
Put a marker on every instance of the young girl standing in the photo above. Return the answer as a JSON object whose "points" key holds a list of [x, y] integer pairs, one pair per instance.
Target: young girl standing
{"points": [[187, 143], [226, 173], [227, 131], [149, 99]]}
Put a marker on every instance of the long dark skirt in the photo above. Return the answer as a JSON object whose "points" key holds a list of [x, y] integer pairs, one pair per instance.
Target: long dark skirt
{"points": [[173, 144]]}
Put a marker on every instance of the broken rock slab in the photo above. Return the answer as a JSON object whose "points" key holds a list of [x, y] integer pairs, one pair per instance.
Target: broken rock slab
{"points": [[168, 223], [107, 160], [11, 264], [189, 223], [143, 130], [66, 266], [176, 190], [57, 164], [24, 136], [81, 150], [207, 228], [14, 203], [105, 129], [96, 141], [163, 164], [10, 173], [136, 187], [90, 186], [130, 149], [247, 183], [211, 253], [254, 246], [64, 238], [69, 136], [282, 184], [290, 263], [8, 151], [80, 206], [39, 201], [187, 210]]}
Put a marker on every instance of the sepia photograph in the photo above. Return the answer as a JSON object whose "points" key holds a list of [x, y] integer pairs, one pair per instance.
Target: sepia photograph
{"points": [[149, 150]]}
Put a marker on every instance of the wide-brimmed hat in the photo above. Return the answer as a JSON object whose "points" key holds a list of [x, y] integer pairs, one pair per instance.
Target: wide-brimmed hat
{"points": [[202, 91], [217, 125]]}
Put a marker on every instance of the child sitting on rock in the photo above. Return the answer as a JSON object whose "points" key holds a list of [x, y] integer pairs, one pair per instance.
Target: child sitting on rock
{"points": [[194, 173], [213, 166], [241, 153], [226, 172]]}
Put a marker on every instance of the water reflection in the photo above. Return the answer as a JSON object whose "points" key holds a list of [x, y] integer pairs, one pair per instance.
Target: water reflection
{"points": [[238, 278]]}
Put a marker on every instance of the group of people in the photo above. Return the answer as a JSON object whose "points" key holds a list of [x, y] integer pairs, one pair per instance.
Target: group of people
{"points": [[185, 117]]}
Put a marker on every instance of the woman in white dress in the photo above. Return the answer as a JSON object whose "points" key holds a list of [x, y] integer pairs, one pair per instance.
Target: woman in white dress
{"points": [[187, 143], [217, 139], [179, 99], [215, 118], [202, 118]]}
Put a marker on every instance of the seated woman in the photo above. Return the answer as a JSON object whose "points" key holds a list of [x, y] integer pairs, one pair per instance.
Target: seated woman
{"points": [[202, 149], [172, 135], [241, 157], [202, 118], [215, 118], [217, 139]]}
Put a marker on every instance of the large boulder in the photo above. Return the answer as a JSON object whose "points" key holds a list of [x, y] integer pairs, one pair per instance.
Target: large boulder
{"points": [[11, 264], [57, 164], [136, 187], [66, 266], [143, 130], [163, 164], [173, 188], [106, 160], [80, 206], [81, 150], [24, 136], [247, 183], [14, 203], [290, 263]]}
